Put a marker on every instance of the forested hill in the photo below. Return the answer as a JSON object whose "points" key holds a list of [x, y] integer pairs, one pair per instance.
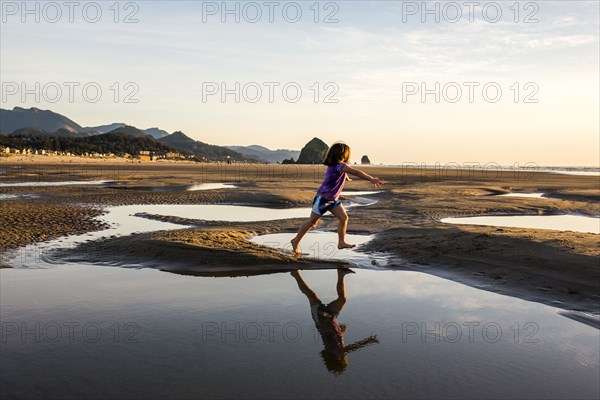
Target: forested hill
{"points": [[114, 142]]}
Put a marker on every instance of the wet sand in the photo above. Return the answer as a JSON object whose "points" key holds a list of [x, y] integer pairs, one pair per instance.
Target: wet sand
{"points": [[552, 267]]}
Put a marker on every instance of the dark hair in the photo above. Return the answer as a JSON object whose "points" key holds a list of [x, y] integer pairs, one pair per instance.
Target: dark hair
{"points": [[337, 153], [335, 363]]}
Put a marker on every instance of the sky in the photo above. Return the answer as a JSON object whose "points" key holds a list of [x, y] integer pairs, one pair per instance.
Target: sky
{"points": [[503, 82]]}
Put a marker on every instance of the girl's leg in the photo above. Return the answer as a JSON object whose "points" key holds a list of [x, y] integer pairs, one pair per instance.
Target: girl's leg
{"points": [[308, 292], [310, 222], [340, 214], [337, 305]]}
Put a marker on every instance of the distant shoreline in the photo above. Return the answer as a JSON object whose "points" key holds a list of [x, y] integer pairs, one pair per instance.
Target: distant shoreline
{"points": [[587, 170], [51, 159]]}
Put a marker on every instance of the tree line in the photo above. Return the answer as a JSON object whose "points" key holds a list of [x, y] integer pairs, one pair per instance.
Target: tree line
{"points": [[115, 143]]}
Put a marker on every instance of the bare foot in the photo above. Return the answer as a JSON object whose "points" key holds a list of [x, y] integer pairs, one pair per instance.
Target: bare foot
{"points": [[346, 246], [295, 247]]}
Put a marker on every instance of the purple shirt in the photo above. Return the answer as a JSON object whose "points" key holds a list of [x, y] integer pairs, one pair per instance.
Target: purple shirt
{"points": [[333, 183]]}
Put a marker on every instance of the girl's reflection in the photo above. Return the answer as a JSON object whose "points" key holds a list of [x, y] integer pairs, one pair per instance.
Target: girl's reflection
{"points": [[332, 333]]}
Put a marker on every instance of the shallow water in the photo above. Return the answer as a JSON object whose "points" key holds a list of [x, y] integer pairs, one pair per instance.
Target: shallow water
{"points": [[323, 246], [62, 183], [6, 196], [127, 220], [79, 331], [534, 195], [571, 172], [360, 192], [587, 171], [575, 223], [210, 186], [180, 188], [208, 212], [123, 221]]}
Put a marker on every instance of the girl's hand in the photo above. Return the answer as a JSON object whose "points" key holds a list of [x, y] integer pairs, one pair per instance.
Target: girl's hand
{"points": [[377, 182]]}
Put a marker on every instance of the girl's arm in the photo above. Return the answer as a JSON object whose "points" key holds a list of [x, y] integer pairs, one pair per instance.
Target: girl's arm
{"points": [[363, 175]]}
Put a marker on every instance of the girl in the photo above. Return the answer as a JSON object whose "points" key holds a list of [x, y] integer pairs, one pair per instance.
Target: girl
{"points": [[329, 193], [332, 332]]}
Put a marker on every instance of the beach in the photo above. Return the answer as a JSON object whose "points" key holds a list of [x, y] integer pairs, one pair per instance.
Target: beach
{"points": [[558, 268], [300, 200]]}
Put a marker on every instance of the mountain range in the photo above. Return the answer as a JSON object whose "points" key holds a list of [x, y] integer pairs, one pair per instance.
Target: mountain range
{"points": [[154, 132], [265, 154], [37, 122], [181, 142], [17, 118], [50, 122]]}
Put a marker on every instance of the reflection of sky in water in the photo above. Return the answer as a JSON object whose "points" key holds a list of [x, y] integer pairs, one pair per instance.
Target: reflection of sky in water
{"points": [[4, 196], [571, 172], [173, 358], [181, 188], [320, 245], [63, 183], [517, 194], [576, 223], [209, 186], [211, 212], [360, 192], [123, 221]]}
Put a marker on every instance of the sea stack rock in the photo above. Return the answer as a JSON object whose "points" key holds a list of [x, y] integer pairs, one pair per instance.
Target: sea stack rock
{"points": [[313, 152]]}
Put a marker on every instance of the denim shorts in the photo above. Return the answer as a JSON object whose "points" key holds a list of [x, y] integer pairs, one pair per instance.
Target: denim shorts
{"points": [[321, 205]]}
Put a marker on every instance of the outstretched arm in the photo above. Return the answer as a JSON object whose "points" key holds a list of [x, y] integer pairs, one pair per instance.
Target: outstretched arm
{"points": [[363, 175], [361, 343]]}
